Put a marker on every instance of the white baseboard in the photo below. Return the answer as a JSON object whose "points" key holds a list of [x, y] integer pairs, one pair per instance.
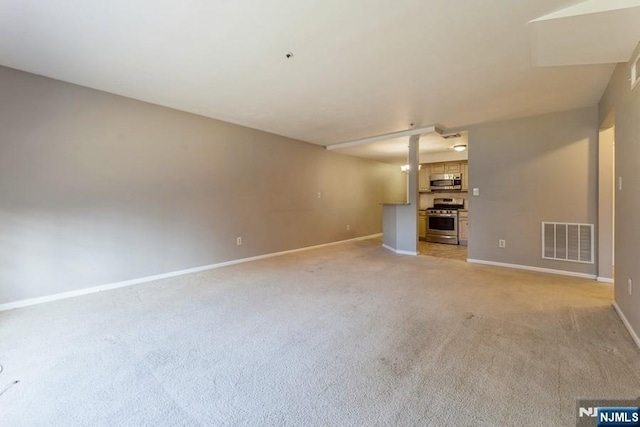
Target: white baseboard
{"points": [[398, 251], [94, 289], [627, 325], [530, 268], [604, 279], [406, 253]]}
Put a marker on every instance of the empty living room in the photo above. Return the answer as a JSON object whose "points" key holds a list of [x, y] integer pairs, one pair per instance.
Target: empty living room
{"points": [[210, 213]]}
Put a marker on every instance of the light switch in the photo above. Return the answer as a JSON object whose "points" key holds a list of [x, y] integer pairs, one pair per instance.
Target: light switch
{"points": [[619, 183], [476, 191]]}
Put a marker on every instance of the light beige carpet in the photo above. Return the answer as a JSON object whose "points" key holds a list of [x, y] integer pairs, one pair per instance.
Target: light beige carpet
{"points": [[348, 335]]}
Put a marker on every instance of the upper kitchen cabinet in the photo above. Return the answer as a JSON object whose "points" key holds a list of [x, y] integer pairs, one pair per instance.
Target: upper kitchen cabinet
{"points": [[424, 183], [428, 169], [464, 169], [452, 167], [446, 167], [437, 167]]}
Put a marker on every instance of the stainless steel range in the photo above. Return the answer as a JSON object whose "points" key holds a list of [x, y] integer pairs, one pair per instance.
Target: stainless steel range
{"points": [[442, 221]]}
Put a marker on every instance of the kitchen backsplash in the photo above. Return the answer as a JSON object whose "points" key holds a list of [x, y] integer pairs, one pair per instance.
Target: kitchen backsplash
{"points": [[426, 199]]}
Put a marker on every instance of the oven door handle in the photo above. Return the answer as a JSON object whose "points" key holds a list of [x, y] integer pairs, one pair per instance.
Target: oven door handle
{"points": [[442, 215]]}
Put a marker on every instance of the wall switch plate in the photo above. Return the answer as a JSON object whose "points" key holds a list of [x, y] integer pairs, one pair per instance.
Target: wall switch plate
{"points": [[619, 183], [348, 227], [476, 191], [630, 286], [238, 241], [502, 243]]}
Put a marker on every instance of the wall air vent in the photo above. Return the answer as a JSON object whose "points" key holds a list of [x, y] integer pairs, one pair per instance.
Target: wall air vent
{"points": [[567, 242], [635, 72]]}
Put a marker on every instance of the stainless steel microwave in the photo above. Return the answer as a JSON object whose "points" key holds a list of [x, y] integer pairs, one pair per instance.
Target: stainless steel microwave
{"points": [[446, 181]]}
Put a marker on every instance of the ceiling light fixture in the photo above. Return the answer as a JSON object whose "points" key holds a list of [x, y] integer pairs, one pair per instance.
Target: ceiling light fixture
{"points": [[460, 147]]}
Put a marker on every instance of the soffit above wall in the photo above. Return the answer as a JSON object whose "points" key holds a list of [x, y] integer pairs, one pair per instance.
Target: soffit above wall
{"points": [[592, 32], [395, 150]]}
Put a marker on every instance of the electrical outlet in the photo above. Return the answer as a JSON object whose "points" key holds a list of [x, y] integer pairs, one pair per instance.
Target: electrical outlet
{"points": [[476, 191], [630, 286], [502, 243], [348, 227], [319, 195], [238, 241]]}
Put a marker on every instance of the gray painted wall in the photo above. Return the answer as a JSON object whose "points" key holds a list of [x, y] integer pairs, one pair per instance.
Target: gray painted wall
{"points": [[625, 104], [605, 203], [531, 170], [98, 189]]}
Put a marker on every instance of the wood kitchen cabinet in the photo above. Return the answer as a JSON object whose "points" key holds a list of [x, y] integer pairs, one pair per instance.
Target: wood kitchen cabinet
{"points": [[464, 169], [446, 167], [452, 167], [424, 183], [422, 225], [438, 167], [463, 227]]}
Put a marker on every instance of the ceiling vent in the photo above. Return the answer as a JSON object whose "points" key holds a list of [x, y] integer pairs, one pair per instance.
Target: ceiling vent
{"points": [[567, 242], [451, 136]]}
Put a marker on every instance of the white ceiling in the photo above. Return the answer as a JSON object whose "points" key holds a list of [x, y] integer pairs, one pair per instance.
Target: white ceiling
{"points": [[360, 67], [592, 32]]}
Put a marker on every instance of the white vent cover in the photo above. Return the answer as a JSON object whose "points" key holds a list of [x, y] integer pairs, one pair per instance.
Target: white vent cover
{"points": [[567, 242]]}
